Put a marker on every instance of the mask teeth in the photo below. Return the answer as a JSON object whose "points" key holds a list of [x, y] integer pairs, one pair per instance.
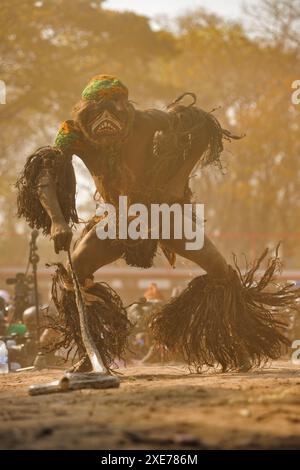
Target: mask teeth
{"points": [[106, 122], [106, 125]]}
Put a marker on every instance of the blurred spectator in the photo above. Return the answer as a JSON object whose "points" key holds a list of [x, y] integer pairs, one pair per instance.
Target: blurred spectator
{"points": [[153, 293], [5, 296]]}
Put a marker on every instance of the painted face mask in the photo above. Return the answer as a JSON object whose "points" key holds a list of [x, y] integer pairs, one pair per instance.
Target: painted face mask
{"points": [[104, 113]]}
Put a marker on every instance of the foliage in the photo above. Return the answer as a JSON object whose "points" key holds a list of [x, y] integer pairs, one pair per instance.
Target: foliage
{"points": [[49, 50]]}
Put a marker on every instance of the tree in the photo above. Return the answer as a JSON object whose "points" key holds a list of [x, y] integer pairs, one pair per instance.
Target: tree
{"points": [[254, 203], [49, 51], [276, 22]]}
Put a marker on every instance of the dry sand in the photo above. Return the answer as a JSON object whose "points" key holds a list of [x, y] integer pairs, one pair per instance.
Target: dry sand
{"points": [[157, 407]]}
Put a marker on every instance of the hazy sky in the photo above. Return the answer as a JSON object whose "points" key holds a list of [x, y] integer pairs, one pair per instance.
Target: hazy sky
{"points": [[228, 8]]}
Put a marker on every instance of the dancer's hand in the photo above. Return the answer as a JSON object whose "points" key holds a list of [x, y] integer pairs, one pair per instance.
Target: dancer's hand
{"points": [[61, 234]]}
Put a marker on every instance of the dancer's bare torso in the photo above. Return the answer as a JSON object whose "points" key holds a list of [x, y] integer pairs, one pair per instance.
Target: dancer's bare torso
{"points": [[135, 152], [134, 159]]}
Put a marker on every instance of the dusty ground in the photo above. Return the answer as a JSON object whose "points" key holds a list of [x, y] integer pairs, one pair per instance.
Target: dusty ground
{"points": [[156, 407]]}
